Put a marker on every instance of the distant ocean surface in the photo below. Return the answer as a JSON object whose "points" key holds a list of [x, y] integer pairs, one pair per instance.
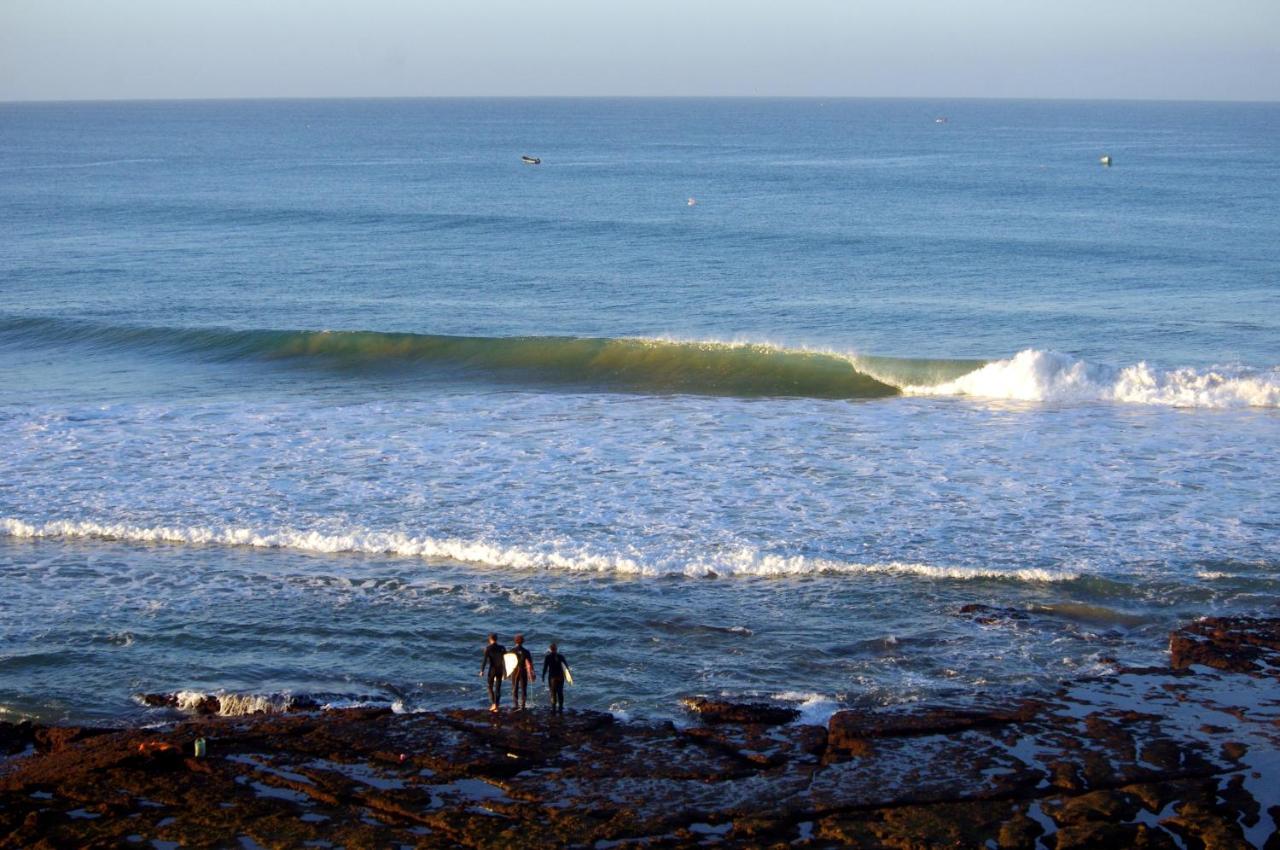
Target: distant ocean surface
{"points": [[741, 397]]}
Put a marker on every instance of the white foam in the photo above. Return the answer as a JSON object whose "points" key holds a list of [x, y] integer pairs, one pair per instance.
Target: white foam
{"points": [[740, 562], [234, 705], [1034, 375], [815, 709]]}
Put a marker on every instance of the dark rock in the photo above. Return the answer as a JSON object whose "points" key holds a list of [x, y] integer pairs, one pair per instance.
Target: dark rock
{"points": [[756, 713], [1237, 644], [990, 615], [16, 737], [54, 738], [1123, 761], [850, 729]]}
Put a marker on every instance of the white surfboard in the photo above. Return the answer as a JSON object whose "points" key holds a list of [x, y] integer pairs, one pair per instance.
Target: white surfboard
{"points": [[568, 677], [511, 660]]}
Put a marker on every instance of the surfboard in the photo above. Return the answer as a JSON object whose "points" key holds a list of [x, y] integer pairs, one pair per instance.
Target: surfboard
{"points": [[568, 677], [511, 660]]}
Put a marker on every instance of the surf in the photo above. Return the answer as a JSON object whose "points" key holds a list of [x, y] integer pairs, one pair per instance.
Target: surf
{"points": [[559, 556], [624, 364], [1050, 376]]}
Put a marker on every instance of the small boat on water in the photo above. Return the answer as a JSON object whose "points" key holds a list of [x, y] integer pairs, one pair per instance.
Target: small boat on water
{"points": [[530, 160]]}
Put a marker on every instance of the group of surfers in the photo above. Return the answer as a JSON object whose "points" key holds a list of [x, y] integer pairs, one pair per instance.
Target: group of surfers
{"points": [[555, 669]]}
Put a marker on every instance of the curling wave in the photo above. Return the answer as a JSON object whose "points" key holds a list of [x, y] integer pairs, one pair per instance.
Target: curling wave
{"points": [[1034, 375], [623, 364], [633, 364], [740, 562]]}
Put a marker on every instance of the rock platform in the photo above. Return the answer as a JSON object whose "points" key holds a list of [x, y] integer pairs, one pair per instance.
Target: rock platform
{"points": [[1186, 756]]}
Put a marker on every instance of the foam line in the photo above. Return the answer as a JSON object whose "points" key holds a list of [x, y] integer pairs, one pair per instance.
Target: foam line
{"points": [[743, 562]]}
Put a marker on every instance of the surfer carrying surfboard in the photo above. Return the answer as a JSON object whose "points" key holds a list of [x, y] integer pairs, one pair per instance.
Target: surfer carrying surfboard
{"points": [[497, 670], [520, 675], [554, 670]]}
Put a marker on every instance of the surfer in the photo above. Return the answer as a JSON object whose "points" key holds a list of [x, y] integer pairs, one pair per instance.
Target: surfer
{"points": [[497, 670], [520, 675], [554, 667]]}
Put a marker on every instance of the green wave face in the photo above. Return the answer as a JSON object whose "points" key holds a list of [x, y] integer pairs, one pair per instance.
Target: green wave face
{"points": [[627, 365], [634, 365], [915, 371]]}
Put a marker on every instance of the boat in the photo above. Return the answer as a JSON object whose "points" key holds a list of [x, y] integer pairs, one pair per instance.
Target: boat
{"points": [[1105, 159], [530, 160]]}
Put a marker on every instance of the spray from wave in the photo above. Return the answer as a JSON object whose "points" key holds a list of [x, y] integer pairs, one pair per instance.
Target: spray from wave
{"points": [[558, 556], [1034, 375]]}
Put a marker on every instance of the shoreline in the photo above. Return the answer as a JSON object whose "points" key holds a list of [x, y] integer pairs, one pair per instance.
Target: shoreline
{"points": [[1182, 755]]}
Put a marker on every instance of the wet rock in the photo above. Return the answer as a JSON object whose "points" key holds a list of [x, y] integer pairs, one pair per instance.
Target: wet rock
{"points": [[54, 738], [1113, 836], [1237, 644], [756, 713], [1151, 758], [990, 615], [850, 730], [16, 737]]}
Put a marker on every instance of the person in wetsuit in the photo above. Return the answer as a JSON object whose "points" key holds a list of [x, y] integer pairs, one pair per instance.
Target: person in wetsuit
{"points": [[553, 668], [496, 668], [520, 676]]}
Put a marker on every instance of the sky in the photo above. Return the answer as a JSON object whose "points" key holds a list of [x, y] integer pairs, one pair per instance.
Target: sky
{"points": [[126, 49]]}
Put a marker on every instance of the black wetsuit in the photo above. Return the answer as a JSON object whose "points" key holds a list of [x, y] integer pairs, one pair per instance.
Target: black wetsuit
{"points": [[520, 677], [497, 670], [553, 667]]}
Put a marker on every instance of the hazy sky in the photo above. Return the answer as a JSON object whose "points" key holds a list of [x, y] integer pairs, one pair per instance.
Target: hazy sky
{"points": [[89, 49]]}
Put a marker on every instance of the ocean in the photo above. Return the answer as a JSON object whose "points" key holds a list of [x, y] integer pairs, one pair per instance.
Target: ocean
{"points": [[756, 398]]}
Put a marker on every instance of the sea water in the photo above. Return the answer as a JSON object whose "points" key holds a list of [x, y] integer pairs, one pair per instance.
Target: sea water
{"points": [[740, 397]]}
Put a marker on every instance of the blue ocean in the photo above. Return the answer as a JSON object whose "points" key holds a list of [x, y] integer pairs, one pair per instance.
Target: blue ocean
{"points": [[834, 403]]}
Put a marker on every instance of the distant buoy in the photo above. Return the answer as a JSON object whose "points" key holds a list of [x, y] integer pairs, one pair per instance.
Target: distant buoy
{"points": [[693, 202], [1105, 159]]}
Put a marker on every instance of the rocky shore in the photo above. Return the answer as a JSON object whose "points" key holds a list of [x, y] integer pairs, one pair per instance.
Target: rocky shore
{"points": [[1184, 756]]}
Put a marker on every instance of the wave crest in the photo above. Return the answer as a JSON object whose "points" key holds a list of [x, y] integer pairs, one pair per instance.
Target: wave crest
{"points": [[742, 562], [1035, 375], [621, 364]]}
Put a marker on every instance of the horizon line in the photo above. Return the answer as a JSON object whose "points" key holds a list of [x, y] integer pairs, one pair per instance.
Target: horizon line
{"points": [[268, 98]]}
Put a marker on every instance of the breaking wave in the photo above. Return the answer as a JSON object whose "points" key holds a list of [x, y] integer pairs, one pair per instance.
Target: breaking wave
{"points": [[232, 704], [620, 364], [1034, 375], [633, 364], [740, 562]]}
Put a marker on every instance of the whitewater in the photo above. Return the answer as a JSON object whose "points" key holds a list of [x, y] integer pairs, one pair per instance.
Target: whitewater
{"points": [[300, 400], [1032, 375]]}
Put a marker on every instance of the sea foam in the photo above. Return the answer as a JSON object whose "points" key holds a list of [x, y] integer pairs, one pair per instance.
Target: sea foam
{"points": [[745, 561], [1035, 375]]}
